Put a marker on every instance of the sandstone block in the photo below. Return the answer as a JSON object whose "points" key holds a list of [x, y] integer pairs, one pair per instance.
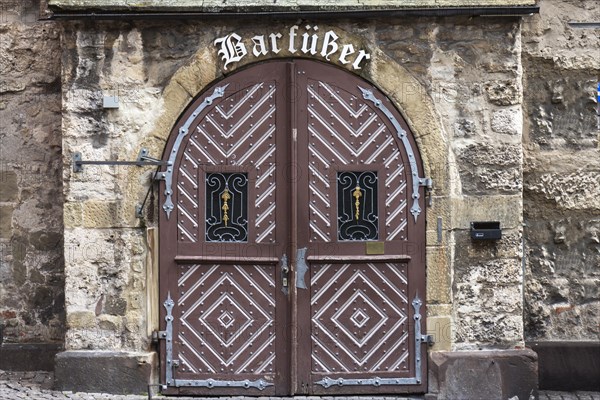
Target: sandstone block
{"points": [[571, 191], [491, 154], [439, 310], [110, 322], [472, 298], [481, 330], [490, 375], [100, 214], [503, 93], [508, 121], [493, 272], [72, 215], [6, 212], [9, 188], [81, 319], [438, 275], [441, 330], [506, 209]]}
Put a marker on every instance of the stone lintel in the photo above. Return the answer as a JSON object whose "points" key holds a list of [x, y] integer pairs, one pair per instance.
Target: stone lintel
{"points": [[490, 374], [280, 5], [112, 372]]}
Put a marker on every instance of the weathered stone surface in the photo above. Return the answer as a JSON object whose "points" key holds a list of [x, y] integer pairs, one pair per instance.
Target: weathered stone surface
{"points": [[481, 287], [9, 189], [561, 171], [81, 319], [496, 273], [486, 375], [73, 215], [506, 209], [28, 357], [105, 287], [571, 191], [487, 168], [508, 121], [568, 365], [112, 372], [503, 93], [31, 257], [562, 114], [548, 37], [485, 330], [6, 212]]}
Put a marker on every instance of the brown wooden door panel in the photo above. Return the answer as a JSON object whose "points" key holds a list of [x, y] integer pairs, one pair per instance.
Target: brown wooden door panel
{"points": [[359, 319], [347, 138], [282, 159], [227, 325], [222, 243]]}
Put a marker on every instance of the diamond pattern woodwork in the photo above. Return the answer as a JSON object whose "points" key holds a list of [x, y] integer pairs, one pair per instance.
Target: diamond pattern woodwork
{"points": [[359, 318], [227, 325]]}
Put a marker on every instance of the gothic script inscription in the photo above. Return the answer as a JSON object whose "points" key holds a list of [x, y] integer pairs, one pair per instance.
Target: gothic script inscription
{"points": [[233, 47]]}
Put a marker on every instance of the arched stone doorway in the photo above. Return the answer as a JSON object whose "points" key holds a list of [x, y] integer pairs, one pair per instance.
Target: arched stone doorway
{"points": [[292, 239]]}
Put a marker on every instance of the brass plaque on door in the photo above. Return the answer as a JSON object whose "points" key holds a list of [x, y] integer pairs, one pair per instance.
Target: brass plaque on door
{"points": [[375, 248]]}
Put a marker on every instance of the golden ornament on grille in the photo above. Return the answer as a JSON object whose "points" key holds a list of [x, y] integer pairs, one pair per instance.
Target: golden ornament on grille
{"points": [[357, 194], [225, 196]]}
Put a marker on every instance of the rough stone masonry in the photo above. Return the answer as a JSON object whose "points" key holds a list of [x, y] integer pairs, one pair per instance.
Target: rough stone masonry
{"points": [[31, 206], [513, 102]]}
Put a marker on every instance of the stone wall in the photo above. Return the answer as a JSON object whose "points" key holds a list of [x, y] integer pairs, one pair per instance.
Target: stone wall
{"points": [[105, 279], [562, 173], [458, 82], [472, 70], [31, 209]]}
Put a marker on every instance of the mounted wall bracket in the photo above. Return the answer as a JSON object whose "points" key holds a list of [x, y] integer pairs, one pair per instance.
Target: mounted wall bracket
{"points": [[142, 160]]}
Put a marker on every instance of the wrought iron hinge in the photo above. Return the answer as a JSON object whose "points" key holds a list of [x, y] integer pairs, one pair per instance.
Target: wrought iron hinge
{"points": [[158, 335], [142, 160], [427, 339], [160, 176], [427, 183]]}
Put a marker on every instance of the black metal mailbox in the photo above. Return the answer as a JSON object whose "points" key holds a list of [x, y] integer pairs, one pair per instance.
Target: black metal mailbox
{"points": [[486, 230]]}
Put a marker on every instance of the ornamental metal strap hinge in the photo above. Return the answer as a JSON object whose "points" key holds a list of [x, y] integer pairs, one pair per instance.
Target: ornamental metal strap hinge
{"points": [[417, 181]]}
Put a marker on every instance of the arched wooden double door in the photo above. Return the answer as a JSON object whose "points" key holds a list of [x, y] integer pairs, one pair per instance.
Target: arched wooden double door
{"points": [[292, 239]]}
